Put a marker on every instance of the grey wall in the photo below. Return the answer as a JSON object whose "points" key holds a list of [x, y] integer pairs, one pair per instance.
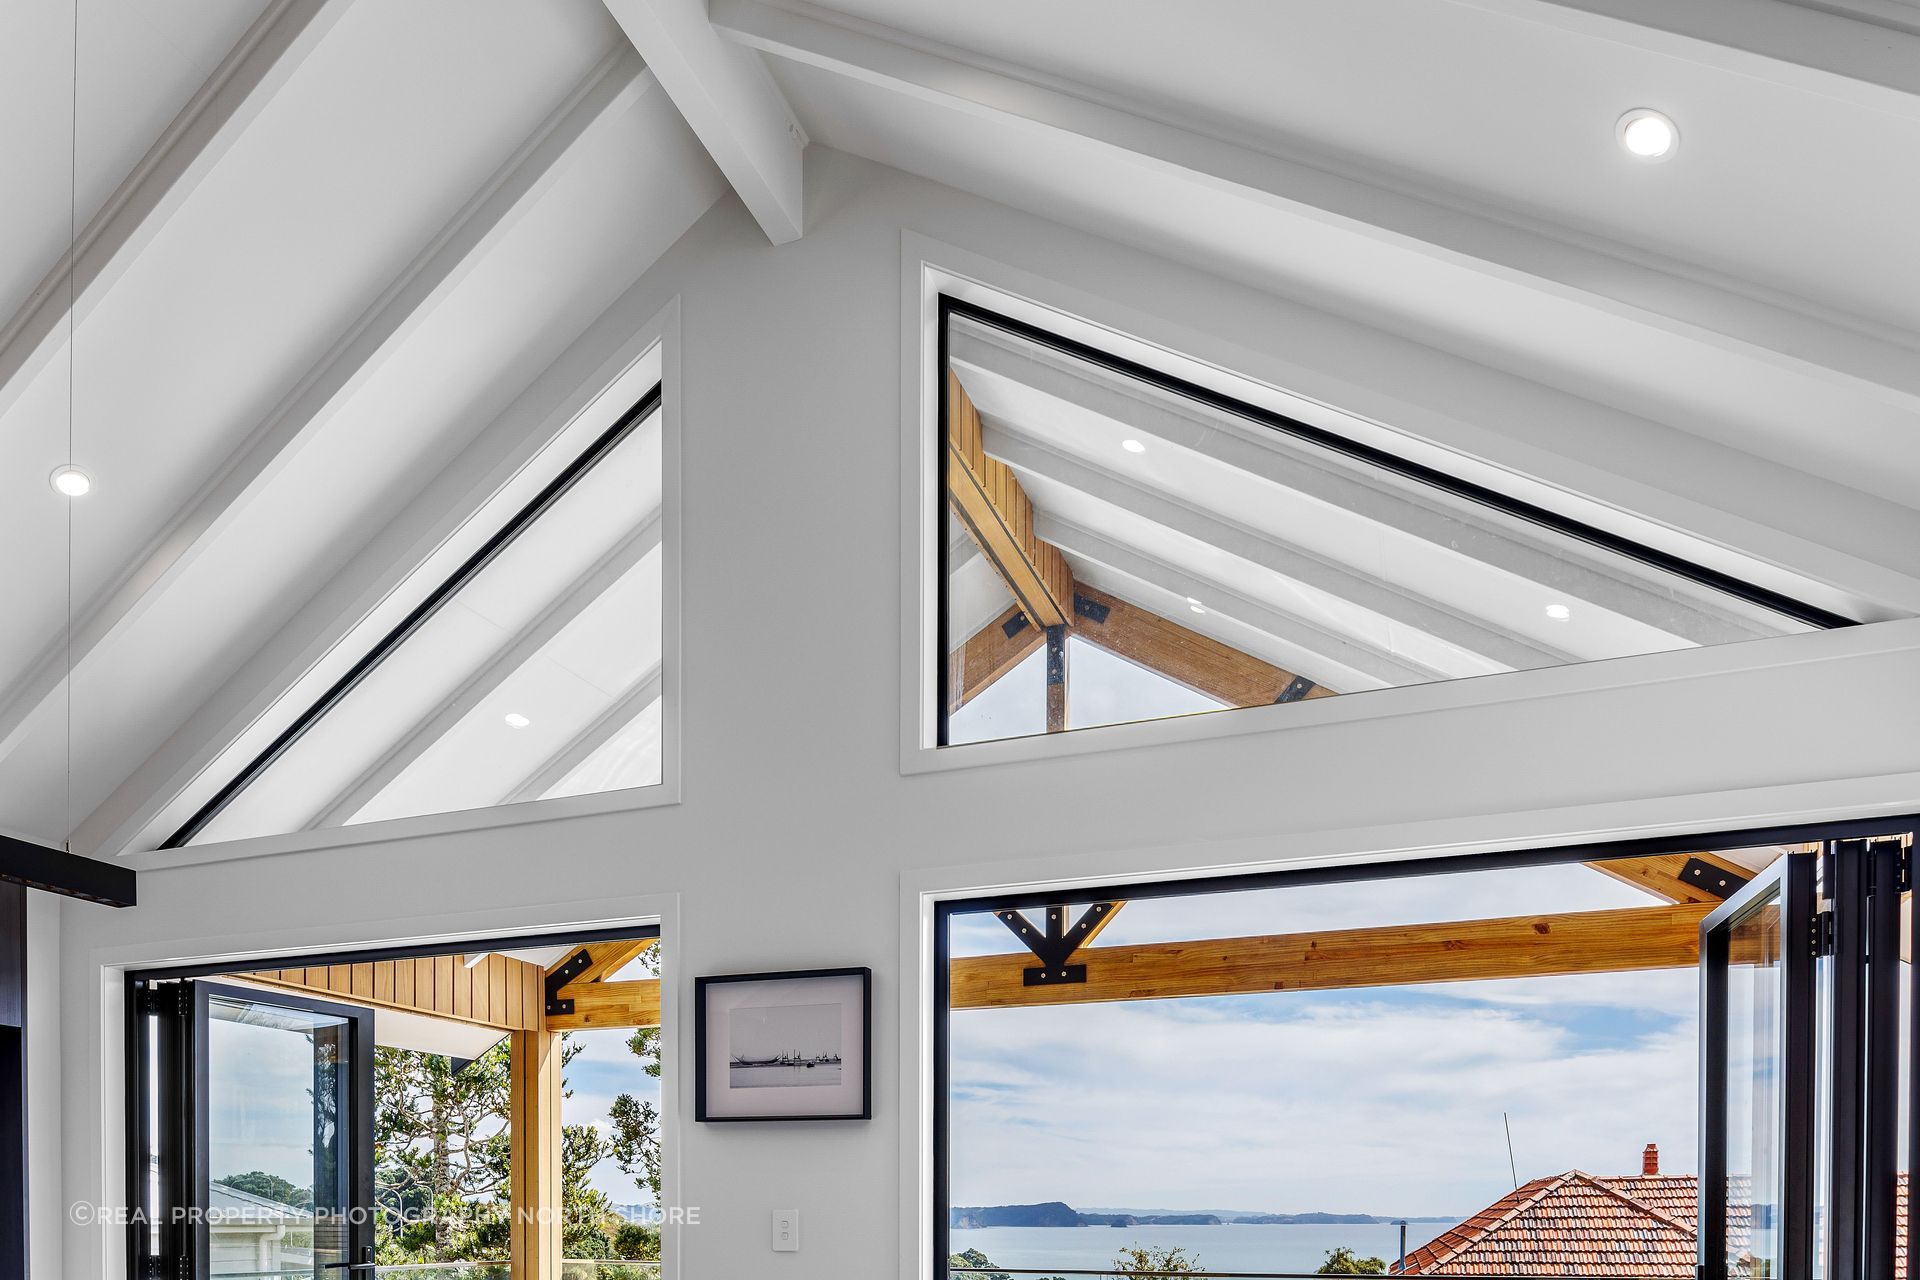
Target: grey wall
{"points": [[797, 829]]}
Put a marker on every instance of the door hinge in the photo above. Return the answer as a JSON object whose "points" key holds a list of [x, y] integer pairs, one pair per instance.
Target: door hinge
{"points": [[1823, 932]]}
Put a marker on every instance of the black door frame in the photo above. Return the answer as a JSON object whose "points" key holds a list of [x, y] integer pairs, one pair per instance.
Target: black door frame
{"points": [[938, 985], [1792, 883], [159, 1008]]}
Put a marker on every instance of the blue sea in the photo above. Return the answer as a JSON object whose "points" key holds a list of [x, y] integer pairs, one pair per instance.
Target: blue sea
{"points": [[1296, 1248]]}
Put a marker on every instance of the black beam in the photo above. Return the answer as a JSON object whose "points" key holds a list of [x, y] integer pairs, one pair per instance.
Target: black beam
{"points": [[55, 870]]}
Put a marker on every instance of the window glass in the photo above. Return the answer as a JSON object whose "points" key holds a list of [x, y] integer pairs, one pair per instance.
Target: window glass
{"points": [[535, 673], [1247, 560]]}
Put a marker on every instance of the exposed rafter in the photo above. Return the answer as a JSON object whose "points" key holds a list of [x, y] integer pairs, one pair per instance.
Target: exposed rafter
{"points": [[579, 996], [378, 333], [272, 49], [990, 653], [1533, 273], [1202, 664], [1398, 955], [1680, 877], [732, 103], [989, 500]]}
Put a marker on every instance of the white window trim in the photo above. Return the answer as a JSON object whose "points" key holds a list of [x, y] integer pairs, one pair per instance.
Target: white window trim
{"points": [[656, 343], [930, 268], [1074, 874]]}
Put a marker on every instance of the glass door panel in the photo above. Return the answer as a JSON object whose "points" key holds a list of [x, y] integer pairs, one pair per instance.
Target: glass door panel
{"points": [[1757, 1076], [284, 1091]]}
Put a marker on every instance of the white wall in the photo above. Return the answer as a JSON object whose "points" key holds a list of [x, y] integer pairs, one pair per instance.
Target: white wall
{"points": [[798, 832]]}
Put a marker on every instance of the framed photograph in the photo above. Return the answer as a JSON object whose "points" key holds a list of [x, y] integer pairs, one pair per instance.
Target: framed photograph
{"points": [[784, 1046]]}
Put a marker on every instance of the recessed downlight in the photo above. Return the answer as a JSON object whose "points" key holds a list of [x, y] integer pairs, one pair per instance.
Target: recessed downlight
{"points": [[1647, 134], [1195, 605], [1133, 446], [70, 481], [1559, 612], [517, 721]]}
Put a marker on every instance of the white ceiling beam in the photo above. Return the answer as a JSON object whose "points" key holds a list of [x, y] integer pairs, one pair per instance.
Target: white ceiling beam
{"points": [[1481, 243], [1870, 56], [642, 694], [246, 80], [576, 598], [381, 330], [1039, 465], [1003, 371], [731, 102], [1336, 660]]}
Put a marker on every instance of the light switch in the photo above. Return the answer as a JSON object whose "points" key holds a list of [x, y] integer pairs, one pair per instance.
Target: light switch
{"points": [[786, 1231]]}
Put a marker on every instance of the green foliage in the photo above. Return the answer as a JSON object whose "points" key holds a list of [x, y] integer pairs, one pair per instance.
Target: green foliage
{"points": [[1344, 1262], [1141, 1260], [635, 1140], [975, 1265], [269, 1186], [636, 1241]]}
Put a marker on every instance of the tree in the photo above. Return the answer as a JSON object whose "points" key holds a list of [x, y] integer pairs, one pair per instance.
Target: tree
{"points": [[636, 1241], [269, 1186], [976, 1266], [1344, 1262], [635, 1141], [1141, 1260]]}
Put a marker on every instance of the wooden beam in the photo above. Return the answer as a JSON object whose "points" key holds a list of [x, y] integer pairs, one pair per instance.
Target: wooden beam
{"points": [[728, 97], [996, 511], [534, 1133], [599, 1006], [1660, 875], [988, 654], [1186, 657], [607, 959], [1395, 955]]}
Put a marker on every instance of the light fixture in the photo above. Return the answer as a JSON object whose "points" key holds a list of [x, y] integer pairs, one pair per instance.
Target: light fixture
{"points": [[1133, 446], [1559, 612], [71, 481], [1647, 134], [1195, 605], [517, 721]]}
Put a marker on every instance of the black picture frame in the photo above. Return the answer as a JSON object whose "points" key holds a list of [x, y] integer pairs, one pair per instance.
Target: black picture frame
{"points": [[704, 989]]}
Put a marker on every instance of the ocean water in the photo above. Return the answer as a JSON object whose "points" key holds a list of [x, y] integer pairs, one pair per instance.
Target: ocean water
{"points": [[1297, 1248]]}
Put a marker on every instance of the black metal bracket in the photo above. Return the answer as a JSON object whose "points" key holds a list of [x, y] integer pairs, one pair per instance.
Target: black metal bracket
{"points": [[575, 965], [1092, 610], [1054, 945], [1297, 688], [1718, 881]]}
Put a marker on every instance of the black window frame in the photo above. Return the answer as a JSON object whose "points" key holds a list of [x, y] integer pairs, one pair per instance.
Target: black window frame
{"points": [[1833, 835], [949, 307]]}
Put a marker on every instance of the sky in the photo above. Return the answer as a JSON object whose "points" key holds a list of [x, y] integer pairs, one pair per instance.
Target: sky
{"points": [[1386, 1101]]}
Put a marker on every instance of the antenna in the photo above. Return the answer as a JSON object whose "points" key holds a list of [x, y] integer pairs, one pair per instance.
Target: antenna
{"points": [[1512, 1168]]}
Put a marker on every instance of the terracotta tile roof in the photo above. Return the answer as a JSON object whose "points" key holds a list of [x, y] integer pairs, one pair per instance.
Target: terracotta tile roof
{"points": [[1575, 1224]]}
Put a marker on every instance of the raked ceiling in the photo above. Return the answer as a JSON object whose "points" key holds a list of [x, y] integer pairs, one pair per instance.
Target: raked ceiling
{"points": [[313, 229]]}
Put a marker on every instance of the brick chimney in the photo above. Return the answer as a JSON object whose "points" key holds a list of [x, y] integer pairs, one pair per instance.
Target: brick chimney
{"points": [[1650, 1160]]}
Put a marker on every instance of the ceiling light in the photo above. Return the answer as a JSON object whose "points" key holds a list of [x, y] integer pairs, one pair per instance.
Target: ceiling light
{"points": [[517, 721], [1195, 605], [71, 481], [1133, 446], [1647, 134], [1559, 612]]}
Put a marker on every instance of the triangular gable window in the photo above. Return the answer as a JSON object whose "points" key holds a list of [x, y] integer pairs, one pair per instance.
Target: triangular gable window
{"points": [[529, 669], [1248, 558]]}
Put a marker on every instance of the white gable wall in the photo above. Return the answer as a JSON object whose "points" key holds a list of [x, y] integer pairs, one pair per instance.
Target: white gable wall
{"points": [[798, 834]]}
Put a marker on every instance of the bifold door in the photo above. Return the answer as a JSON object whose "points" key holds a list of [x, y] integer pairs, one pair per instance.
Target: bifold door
{"points": [[256, 1113], [1802, 1049]]}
